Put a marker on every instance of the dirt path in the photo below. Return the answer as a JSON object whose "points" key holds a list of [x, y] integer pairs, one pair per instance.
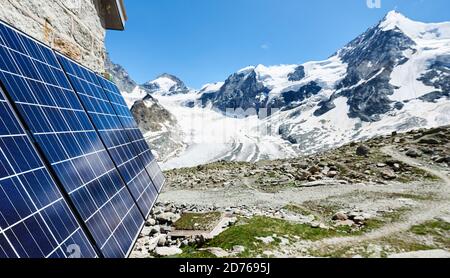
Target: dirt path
{"points": [[426, 211]]}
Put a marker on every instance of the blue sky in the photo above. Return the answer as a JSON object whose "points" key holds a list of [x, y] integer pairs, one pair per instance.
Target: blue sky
{"points": [[204, 41]]}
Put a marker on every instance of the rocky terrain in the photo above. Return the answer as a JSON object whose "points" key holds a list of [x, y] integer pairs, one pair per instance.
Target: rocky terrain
{"points": [[385, 197]]}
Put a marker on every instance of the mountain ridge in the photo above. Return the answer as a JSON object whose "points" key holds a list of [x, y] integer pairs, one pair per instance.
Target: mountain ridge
{"points": [[385, 80]]}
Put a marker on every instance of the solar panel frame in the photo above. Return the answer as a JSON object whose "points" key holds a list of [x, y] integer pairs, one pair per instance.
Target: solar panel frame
{"points": [[57, 119], [135, 134], [112, 133], [46, 209]]}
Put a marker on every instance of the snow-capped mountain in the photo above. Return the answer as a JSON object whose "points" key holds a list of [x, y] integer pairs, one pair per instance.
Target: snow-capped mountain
{"points": [[159, 126], [396, 79], [393, 77], [165, 84], [396, 61]]}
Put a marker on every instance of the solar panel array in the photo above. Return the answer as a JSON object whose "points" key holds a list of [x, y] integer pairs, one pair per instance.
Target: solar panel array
{"points": [[134, 133], [113, 134], [35, 220], [69, 184]]}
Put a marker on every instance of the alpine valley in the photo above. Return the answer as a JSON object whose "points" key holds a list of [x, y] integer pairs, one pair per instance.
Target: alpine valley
{"points": [[395, 77]]}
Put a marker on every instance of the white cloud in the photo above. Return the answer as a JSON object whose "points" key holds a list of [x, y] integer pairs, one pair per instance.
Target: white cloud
{"points": [[265, 46]]}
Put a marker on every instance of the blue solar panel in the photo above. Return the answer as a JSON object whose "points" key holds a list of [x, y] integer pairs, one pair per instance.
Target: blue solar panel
{"points": [[35, 220], [116, 139], [44, 98], [133, 131]]}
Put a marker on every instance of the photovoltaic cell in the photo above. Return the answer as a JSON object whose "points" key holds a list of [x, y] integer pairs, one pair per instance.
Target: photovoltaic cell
{"points": [[35, 220], [44, 98], [114, 136], [130, 125]]}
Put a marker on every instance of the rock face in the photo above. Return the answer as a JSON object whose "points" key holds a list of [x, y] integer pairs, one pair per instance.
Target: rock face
{"points": [[241, 90], [437, 76], [159, 127], [120, 76], [298, 74], [371, 59], [73, 27], [157, 124], [150, 115]]}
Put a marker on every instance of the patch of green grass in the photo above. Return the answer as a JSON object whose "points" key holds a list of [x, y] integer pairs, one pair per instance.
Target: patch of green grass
{"points": [[438, 230], [425, 197], [198, 221], [323, 207], [245, 234], [297, 209]]}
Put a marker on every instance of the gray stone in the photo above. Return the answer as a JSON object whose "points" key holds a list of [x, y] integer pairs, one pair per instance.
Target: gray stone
{"points": [[388, 175], [166, 229], [359, 220], [162, 240], [238, 249], [413, 153], [348, 223], [155, 230], [340, 216], [150, 222], [266, 240], [362, 150], [185, 243], [332, 174], [167, 217], [168, 251]]}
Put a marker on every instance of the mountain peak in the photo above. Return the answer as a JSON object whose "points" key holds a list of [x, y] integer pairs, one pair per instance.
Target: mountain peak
{"points": [[394, 19], [169, 76], [166, 84], [394, 16], [415, 29]]}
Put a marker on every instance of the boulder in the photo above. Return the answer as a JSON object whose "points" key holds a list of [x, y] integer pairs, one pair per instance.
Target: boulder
{"points": [[362, 150], [167, 217], [155, 230], [348, 223], [388, 175], [340, 216], [185, 243], [413, 153], [165, 229], [266, 240], [332, 174], [238, 249], [150, 222], [429, 141], [314, 169], [359, 220], [162, 240]]}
